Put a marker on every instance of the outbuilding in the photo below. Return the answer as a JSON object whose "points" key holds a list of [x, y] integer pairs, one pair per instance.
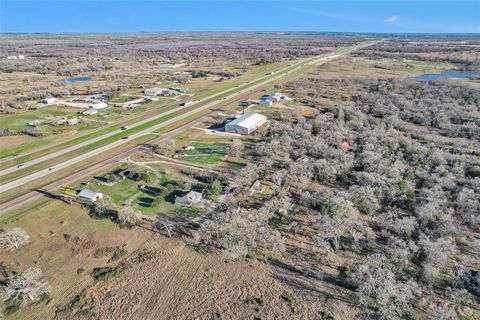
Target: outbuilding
{"points": [[90, 112], [246, 124], [50, 100], [89, 195]]}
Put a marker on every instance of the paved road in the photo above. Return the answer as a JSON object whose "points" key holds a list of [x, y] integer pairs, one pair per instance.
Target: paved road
{"points": [[96, 139], [241, 89]]}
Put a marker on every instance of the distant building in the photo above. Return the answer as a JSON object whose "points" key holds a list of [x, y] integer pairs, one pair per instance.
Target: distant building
{"points": [[100, 97], [50, 100], [275, 97], [90, 112], [86, 103], [131, 104], [90, 195], [265, 102], [122, 173], [71, 121], [190, 199], [254, 188], [34, 123], [246, 124], [152, 91]]}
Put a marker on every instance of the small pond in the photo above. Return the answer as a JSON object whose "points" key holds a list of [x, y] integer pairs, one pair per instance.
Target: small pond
{"points": [[448, 74], [78, 79]]}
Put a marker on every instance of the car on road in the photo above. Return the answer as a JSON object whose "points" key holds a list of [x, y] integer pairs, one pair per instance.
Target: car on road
{"points": [[125, 138], [50, 169], [124, 128], [21, 165]]}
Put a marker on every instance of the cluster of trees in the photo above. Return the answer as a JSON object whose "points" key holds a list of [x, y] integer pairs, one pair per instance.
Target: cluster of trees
{"points": [[20, 289], [450, 50], [124, 215], [365, 145]]}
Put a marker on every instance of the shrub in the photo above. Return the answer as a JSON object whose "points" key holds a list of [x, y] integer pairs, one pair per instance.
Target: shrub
{"points": [[105, 273]]}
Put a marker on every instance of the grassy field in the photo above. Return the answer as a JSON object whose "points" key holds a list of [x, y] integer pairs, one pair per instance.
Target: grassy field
{"points": [[204, 153]]}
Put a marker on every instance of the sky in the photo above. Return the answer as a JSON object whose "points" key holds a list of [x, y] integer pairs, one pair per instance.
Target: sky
{"points": [[392, 16]]}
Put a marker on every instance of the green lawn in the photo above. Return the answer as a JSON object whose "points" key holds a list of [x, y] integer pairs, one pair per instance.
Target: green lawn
{"points": [[205, 153]]}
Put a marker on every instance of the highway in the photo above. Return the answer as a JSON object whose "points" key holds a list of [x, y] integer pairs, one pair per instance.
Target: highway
{"points": [[252, 85]]}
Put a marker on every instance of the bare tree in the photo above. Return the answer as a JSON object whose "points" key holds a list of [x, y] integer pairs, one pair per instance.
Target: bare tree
{"points": [[128, 216], [26, 287], [13, 238], [236, 148]]}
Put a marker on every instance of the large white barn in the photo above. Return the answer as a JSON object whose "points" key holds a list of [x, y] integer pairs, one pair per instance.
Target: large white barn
{"points": [[246, 124]]}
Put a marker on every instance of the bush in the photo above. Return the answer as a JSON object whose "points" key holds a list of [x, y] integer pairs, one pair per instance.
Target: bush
{"points": [[105, 273]]}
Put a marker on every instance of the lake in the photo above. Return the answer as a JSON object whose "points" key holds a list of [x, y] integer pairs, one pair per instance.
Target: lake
{"points": [[447, 74], [78, 79]]}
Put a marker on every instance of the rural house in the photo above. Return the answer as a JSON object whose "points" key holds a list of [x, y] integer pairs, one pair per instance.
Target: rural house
{"points": [[190, 199]]}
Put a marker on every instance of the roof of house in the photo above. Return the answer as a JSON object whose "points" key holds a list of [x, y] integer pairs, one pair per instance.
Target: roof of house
{"points": [[189, 198], [247, 120], [89, 194]]}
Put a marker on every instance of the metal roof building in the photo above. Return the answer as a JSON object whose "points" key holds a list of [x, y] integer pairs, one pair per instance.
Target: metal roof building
{"points": [[90, 195], [246, 124]]}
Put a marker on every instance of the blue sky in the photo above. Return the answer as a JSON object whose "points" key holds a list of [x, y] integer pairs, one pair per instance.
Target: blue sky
{"points": [[404, 16]]}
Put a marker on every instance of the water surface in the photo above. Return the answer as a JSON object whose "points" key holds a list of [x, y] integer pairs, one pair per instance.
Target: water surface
{"points": [[448, 74]]}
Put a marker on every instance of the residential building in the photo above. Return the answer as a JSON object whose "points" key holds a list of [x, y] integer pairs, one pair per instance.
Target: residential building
{"points": [[255, 188], [246, 123], [275, 97], [190, 199], [265, 102], [90, 112], [89, 195], [152, 91]]}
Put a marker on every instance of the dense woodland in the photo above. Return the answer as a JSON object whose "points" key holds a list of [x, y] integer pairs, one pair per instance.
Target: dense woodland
{"points": [[370, 173], [68, 55]]}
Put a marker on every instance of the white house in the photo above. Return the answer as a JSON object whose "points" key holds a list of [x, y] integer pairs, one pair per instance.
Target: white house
{"points": [[90, 112], [90, 195], [50, 100], [191, 198], [275, 97], [246, 124]]}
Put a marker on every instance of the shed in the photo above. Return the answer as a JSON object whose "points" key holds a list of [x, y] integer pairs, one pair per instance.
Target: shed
{"points": [[90, 112], [90, 195]]}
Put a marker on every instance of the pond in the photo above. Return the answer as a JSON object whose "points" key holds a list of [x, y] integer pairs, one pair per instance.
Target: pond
{"points": [[448, 74], [78, 79]]}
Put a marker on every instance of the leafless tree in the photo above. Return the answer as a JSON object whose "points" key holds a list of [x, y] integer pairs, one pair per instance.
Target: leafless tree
{"points": [[26, 287], [13, 238], [128, 216], [236, 148]]}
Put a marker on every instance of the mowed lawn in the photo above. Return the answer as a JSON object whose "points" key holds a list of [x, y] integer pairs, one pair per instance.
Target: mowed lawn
{"points": [[205, 153]]}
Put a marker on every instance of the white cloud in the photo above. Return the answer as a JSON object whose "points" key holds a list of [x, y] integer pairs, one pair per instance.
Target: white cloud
{"points": [[393, 18]]}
